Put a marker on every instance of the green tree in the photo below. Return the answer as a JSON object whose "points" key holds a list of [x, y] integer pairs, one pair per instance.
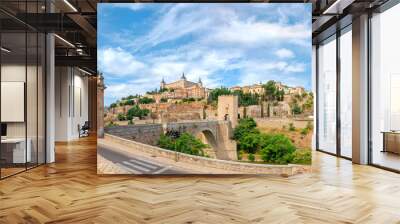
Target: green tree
{"points": [[166, 142], [279, 149], [270, 90], [309, 125], [121, 117], [302, 157], [245, 126], [304, 131], [280, 95], [250, 142], [292, 127], [113, 105], [146, 100], [191, 99], [309, 103], [247, 99], [296, 109], [135, 111], [185, 143], [219, 92], [251, 157]]}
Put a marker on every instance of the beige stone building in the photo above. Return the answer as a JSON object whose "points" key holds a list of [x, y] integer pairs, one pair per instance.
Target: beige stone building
{"points": [[297, 90], [259, 89], [282, 87], [183, 88], [253, 89]]}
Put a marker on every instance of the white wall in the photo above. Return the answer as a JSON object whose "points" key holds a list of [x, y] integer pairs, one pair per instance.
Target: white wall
{"points": [[71, 102]]}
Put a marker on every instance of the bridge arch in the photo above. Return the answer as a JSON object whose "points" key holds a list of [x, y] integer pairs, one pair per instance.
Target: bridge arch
{"points": [[208, 137], [216, 134]]}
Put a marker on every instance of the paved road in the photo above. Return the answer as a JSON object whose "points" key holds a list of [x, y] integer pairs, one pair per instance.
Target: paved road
{"points": [[135, 164]]}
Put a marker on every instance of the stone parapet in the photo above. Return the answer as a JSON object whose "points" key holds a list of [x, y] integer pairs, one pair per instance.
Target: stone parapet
{"points": [[232, 166]]}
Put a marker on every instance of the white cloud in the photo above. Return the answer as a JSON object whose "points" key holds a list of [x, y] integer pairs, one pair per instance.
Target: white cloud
{"points": [[226, 39], [131, 6], [116, 90], [284, 53], [225, 25], [118, 62], [250, 33], [296, 67], [178, 21]]}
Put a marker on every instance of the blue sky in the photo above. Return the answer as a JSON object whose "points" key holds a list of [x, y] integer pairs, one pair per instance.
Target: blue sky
{"points": [[223, 44]]}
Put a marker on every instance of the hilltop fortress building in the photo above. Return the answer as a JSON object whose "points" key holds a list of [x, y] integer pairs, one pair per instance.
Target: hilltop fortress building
{"points": [[182, 89]]}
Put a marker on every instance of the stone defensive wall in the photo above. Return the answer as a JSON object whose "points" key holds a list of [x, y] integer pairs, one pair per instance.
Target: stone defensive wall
{"points": [[232, 166], [144, 133]]}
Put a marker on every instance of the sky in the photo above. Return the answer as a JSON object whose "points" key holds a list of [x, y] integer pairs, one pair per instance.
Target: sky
{"points": [[223, 44]]}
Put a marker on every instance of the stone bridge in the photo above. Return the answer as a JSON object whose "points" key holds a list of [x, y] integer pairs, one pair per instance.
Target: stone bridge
{"points": [[217, 134]]}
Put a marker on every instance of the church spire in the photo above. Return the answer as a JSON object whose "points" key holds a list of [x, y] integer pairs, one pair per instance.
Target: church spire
{"points": [[183, 76], [162, 84]]}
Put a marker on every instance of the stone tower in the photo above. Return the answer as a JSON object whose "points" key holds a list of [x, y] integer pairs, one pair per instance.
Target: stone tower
{"points": [[228, 109], [100, 105], [162, 84]]}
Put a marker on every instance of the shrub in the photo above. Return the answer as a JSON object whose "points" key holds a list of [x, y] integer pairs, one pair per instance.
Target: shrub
{"points": [[240, 155], [166, 142], [304, 131], [129, 102], [121, 117], [302, 157], [296, 109], [135, 111], [246, 99], [309, 125], [191, 99], [185, 143], [246, 125], [291, 127], [218, 92], [252, 142], [130, 122], [251, 157], [146, 100], [163, 100], [112, 124], [278, 149]]}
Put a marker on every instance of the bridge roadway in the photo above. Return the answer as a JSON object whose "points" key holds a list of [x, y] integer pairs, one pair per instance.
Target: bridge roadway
{"points": [[135, 164]]}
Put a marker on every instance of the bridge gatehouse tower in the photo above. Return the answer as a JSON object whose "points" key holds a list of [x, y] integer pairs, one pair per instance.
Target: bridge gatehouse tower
{"points": [[228, 109]]}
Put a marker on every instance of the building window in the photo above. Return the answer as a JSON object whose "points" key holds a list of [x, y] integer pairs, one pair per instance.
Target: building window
{"points": [[385, 89], [346, 93], [327, 95]]}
